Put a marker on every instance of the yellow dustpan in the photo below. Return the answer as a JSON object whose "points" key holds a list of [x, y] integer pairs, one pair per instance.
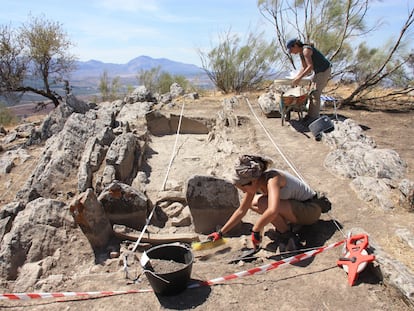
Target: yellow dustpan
{"points": [[199, 246]]}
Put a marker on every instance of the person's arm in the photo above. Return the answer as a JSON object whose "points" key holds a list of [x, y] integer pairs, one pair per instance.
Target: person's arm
{"points": [[239, 213], [307, 65], [273, 189]]}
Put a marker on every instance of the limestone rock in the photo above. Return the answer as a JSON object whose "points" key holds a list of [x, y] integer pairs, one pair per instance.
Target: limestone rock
{"points": [[211, 201], [269, 103], [406, 199], [176, 90], [373, 190], [140, 94], [37, 232], [124, 205], [90, 215], [124, 156], [61, 157]]}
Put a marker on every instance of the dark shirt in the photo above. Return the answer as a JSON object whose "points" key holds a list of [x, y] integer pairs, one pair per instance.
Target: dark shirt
{"points": [[320, 63]]}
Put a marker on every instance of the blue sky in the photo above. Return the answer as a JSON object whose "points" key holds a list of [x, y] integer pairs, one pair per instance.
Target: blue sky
{"points": [[117, 31]]}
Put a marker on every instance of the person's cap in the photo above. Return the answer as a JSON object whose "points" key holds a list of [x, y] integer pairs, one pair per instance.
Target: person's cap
{"points": [[290, 43]]}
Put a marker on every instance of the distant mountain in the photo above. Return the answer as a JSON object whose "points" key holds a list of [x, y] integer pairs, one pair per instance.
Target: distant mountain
{"points": [[95, 68]]}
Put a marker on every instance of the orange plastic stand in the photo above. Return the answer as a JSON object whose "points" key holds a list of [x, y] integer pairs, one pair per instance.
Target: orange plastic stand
{"points": [[354, 257]]}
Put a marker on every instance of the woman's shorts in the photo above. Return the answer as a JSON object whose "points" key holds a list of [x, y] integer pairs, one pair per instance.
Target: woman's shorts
{"points": [[307, 212]]}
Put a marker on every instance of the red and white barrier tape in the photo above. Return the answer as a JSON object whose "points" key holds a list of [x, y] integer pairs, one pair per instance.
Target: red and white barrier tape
{"points": [[262, 269], [29, 296], [268, 267]]}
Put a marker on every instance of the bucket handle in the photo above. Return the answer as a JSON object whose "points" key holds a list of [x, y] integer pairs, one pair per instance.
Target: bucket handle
{"points": [[157, 276]]}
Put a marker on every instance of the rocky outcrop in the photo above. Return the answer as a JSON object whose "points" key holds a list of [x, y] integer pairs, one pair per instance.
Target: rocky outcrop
{"points": [[37, 232], [123, 159], [374, 172]]}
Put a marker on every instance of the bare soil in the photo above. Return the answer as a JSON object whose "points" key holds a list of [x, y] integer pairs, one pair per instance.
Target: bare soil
{"points": [[313, 284]]}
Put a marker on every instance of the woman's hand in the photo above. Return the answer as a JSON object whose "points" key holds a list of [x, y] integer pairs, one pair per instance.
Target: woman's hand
{"points": [[296, 81], [215, 236], [256, 239]]}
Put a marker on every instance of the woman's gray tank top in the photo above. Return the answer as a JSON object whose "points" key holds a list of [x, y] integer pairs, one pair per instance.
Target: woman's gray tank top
{"points": [[294, 188]]}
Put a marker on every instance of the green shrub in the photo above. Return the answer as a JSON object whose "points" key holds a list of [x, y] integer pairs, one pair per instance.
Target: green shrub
{"points": [[7, 117]]}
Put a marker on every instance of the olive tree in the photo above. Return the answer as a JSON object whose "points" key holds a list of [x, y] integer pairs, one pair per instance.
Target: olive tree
{"points": [[12, 63], [237, 66], [37, 51]]}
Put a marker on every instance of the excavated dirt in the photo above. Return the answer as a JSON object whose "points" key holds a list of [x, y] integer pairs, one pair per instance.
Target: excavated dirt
{"points": [[313, 284]]}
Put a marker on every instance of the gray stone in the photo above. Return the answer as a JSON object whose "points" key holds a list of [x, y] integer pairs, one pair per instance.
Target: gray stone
{"points": [[124, 205], [183, 219], [270, 104], [406, 199], [61, 157], [347, 132], [406, 235], [176, 90], [394, 273], [373, 190], [37, 232], [140, 94], [211, 201], [362, 160], [124, 155], [28, 277], [90, 215]]}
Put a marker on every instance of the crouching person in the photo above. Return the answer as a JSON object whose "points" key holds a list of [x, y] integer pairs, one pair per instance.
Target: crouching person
{"points": [[279, 197]]}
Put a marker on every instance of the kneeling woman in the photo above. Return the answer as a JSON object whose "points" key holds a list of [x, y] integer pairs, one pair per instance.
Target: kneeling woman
{"points": [[279, 197]]}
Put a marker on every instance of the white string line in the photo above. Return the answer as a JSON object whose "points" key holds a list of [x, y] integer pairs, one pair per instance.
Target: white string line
{"points": [[165, 180], [288, 161], [173, 154], [275, 145]]}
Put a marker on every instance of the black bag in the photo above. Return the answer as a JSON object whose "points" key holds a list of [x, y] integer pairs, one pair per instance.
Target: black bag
{"points": [[323, 202]]}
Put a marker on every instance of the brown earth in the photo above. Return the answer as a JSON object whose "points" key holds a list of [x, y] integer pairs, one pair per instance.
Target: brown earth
{"points": [[314, 284]]}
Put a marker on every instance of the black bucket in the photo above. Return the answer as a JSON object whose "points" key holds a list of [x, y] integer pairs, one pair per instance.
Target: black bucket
{"points": [[321, 125], [174, 282]]}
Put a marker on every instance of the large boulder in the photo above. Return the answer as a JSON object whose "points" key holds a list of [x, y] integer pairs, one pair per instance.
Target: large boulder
{"points": [[270, 104], [364, 160], [374, 190], [90, 216], [37, 232], [211, 201], [123, 153], [140, 94], [176, 90], [124, 205], [7, 215], [92, 158]]}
